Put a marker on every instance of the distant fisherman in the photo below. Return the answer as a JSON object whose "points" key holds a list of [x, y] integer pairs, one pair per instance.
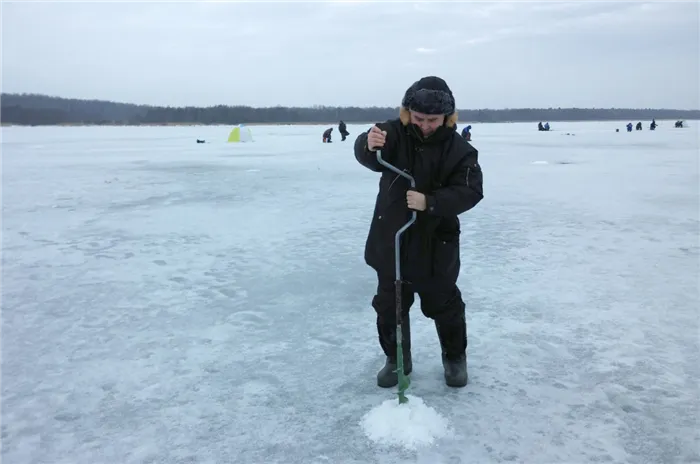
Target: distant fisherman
{"points": [[466, 133], [327, 135], [342, 128]]}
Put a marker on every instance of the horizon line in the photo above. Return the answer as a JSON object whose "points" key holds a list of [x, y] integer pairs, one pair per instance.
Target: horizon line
{"points": [[319, 106]]}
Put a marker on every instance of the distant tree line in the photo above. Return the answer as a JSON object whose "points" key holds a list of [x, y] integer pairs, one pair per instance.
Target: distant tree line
{"points": [[34, 109]]}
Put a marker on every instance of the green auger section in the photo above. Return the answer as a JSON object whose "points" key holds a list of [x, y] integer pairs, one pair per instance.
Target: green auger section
{"points": [[404, 380]]}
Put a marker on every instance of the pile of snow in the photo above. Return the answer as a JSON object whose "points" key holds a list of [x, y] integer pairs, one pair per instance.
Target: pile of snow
{"points": [[409, 425]]}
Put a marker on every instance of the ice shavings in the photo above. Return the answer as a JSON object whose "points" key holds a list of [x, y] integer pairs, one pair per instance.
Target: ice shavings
{"points": [[410, 425]]}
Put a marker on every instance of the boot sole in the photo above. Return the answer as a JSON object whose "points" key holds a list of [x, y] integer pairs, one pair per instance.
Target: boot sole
{"points": [[456, 384]]}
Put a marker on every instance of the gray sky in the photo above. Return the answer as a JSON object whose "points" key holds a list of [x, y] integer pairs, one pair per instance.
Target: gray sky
{"points": [[493, 55]]}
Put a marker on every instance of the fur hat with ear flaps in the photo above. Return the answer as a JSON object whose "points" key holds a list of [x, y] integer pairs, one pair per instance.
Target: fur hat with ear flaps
{"points": [[429, 95]]}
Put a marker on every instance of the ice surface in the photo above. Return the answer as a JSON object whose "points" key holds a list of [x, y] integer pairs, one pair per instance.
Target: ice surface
{"points": [[409, 425], [166, 302]]}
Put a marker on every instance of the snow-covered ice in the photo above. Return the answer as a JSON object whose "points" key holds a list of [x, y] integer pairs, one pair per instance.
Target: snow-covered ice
{"points": [[165, 301], [409, 425]]}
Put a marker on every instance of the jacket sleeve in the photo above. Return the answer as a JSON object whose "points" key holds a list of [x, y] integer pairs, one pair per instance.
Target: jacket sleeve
{"points": [[463, 191], [368, 158]]}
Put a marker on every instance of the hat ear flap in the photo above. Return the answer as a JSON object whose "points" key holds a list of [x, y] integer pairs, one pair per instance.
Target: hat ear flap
{"points": [[404, 116], [451, 120]]}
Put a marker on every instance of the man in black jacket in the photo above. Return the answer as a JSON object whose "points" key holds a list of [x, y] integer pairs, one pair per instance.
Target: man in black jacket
{"points": [[423, 142], [343, 129]]}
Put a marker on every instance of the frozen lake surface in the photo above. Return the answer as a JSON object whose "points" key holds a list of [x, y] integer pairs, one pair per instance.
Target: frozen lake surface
{"points": [[171, 302]]}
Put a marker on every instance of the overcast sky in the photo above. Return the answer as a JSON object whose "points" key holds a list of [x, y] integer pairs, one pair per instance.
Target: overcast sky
{"points": [[493, 55]]}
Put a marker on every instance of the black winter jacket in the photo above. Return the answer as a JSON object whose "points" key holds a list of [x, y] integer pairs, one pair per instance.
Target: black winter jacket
{"points": [[446, 169]]}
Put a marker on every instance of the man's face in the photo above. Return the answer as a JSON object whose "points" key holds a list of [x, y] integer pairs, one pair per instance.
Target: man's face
{"points": [[428, 123]]}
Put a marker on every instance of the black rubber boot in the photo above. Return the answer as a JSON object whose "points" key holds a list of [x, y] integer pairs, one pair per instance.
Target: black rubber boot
{"points": [[387, 377], [455, 370], [453, 341]]}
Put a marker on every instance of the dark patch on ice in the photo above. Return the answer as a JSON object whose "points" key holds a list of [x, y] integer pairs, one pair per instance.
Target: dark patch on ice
{"points": [[629, 409], [603, 458], [159, 262], [67, 417]]}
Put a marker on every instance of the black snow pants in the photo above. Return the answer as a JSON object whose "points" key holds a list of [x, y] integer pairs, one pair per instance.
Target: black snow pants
{"points": [[444, 306]]}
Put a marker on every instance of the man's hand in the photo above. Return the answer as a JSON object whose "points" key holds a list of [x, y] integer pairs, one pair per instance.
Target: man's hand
{"points": [[376, 138], [415, 200]]}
